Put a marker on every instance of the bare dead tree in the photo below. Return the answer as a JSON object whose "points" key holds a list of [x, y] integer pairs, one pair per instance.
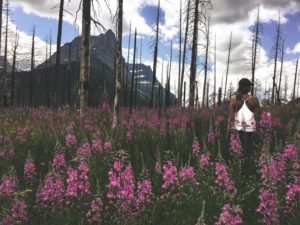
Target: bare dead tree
{"points": [[295, 81], [257, 30], [227, 68], [277, 49], [58, 46], [12, 92], [180, 51], [168, 88], [118, 64], [215, 71], [280, 76], [207, 40], [139, 74], [155, 55], [32, 68], [84, 55], [133, 74], [48, 103], [193, 68], [1, 7], [184, 49], [6, 39], [127, 73]]}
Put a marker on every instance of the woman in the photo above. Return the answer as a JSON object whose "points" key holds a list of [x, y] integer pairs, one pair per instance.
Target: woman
{"points": [[243, 114]]}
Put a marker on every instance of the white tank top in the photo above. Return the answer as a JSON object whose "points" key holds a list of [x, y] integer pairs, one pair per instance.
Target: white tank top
{"points": [[244, 119]]}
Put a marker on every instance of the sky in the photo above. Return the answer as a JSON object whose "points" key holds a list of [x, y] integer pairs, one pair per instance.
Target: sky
{"points": [[236, 16]]}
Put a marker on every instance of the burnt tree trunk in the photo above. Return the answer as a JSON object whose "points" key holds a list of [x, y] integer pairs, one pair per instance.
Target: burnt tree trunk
{"points": [[227, 68], [133, 74]]}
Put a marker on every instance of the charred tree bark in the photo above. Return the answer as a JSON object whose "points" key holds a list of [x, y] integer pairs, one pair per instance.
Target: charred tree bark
{"points": [[254, 49], [47, 76], [184, 49], [168, 88], [193, 68], [119, 59], [227, 69], [180, 48], [58, 45], [155, 56], [127, 73], [1, 8], [275, 61], [215, 72], [133, 74], [295, 80], [84, 56], [206, 61], [12, 92], [32, 69], [280, 75]]}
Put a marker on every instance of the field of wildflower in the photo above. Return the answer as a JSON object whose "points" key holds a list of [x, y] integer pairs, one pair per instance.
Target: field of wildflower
{"points": [[159, 168]]}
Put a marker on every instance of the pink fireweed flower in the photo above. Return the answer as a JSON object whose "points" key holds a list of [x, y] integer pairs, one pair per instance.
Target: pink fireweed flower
{"points": [[144, 195], [8, 187], [108, 146], [71, 140], [292, 199], [29, 170], [83, 181], [230, 216], [188, 174], [211, 136], [204, 161], [268, 207], [17, 215], [266, 121], [129, 135], [94, 213], [97, 146], [105, 107], [222, 178], [235, 145], [72, 183], [51, 194], [170, 175], [277, 123], [196, 147], [121, 188], [84, 151], [291, 156], [59, 161]]}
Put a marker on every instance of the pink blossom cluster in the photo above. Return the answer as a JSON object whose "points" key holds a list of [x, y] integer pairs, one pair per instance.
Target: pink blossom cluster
{"points": [[188, 174], [230, 216], [170, 178], [8, 186], [59, 161], [235, 146], [266, 121], [291, 155], [29, 170], [17, 215], [71, 140], [268, 207], [51, 194], [204, 160], [94, 213], [84, 151], [277, 123], [222, 178], [72, 183], [144, 195], [121, 188], [97, 146], [212, 136], [196, 147], [108, 146], [292, 199], [105, 107]]}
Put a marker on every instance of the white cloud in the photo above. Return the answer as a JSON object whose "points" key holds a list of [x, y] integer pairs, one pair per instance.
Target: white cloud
{"points": [[295, 50]]}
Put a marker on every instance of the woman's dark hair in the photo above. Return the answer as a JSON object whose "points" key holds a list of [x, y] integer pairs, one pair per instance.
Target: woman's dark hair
{"points": [[244, 87]]}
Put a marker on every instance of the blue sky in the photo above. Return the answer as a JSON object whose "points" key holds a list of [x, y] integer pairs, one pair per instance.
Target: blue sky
{"points": [[141, 13]]}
